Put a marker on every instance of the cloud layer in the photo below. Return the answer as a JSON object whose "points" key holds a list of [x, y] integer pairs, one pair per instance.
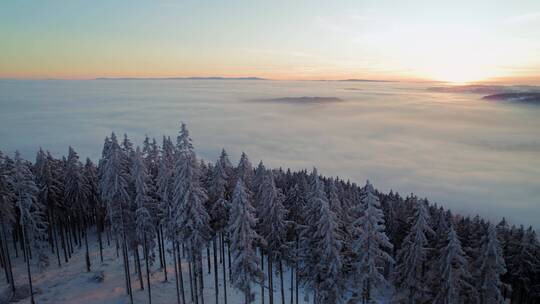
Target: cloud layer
{"points": [[468, 154]]}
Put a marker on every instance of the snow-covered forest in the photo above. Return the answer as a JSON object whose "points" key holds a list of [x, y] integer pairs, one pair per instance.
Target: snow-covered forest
{"points": [[269, 235]]}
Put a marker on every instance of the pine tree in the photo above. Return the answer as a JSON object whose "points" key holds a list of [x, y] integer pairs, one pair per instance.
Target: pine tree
{"points": [[32, 215], [94, 203], [320, 246], [193, 221], [50, 194], [146, 232], [114, 191], [455, 279], [167, 211], [245, 172], [524, 264], [7, 215], [76, 194], [371, 246], [272, 227], [245, 267], [492, 266], [412, 257], [219, 213]]}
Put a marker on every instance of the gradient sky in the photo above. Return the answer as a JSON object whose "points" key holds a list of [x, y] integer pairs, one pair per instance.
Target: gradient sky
{"points": [[441, 40]]}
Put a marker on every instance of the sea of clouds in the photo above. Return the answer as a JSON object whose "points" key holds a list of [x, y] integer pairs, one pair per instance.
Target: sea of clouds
{"points": [[467, 154]]}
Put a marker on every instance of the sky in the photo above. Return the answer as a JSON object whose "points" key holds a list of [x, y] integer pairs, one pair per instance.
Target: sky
{"points": [[456, 41]]}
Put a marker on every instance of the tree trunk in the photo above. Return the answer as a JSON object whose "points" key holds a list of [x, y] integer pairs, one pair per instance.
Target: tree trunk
{"points": [[176, 273], [99, 228], [216, 279], [14, 237], [25, 241], [224, 270], [86, 245], [69, 236], [181, 275], [164, 256], [296, 267], [159, 248], [54, 228], [146, 255], [126, 269], [208, 258], [229, 254], [201, 276], [63, 239], [7, 257], [292, 285], [195, 277], [262, 281], [190, 281], [138, 265], [50, 230], [281, 281], [270, 281]]}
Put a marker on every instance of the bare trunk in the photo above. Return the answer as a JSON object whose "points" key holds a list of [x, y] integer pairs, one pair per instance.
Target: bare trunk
{"points": [[176, 273], [86, 245], [208, 258], [146, 255], [224, 270], [270, 281], [262, 281], [190, 281], [216, 279], [138, 265], [7, 257], [181, 276], [25, 242], [281, 281]]}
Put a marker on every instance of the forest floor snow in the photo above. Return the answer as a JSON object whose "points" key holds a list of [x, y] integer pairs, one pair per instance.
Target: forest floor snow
{"points": [[105, 283]]}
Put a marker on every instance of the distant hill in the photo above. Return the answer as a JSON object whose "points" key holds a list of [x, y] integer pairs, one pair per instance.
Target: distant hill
{"points": [[527, 97], [180, 78], [356, 80]]}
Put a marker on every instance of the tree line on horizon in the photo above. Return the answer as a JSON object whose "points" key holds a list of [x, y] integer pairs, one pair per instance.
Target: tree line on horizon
{"points": [[342, 242]]}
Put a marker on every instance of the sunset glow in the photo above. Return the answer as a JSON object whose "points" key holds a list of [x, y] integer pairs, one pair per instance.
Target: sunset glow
{"points": [[455, 41]]}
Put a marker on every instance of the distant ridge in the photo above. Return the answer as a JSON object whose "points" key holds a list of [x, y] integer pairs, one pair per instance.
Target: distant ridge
{"points": [[180, 78], [356, 80]]}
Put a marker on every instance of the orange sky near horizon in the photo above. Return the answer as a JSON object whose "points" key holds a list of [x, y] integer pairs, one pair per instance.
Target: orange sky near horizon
{"points": [[489, 41]]}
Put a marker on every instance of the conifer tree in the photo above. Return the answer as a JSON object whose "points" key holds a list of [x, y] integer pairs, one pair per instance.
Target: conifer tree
{"points": [[413, 255], [320, 259], [492, 266], [273, 227], [145, 224], [76, 194], [7, 216], [371, 246], [189, 196], [114, 191], [245, 267], [455, 280], [32, 215]]}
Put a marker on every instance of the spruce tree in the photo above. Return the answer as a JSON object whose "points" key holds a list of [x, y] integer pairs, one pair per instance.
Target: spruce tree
{"points": [[370, 246], [114, 191], [413, 255], [492, 266], [192, 219], [32, 216], [146, 232], [245, 267], [455, 280], [272, 227]]}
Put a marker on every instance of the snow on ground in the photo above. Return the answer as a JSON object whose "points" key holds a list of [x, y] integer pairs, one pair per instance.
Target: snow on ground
{"points": [[70, 283]]}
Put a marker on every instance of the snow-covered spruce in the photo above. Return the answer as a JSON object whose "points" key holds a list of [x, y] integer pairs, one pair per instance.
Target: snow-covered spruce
{"points": [[331, 240]]}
